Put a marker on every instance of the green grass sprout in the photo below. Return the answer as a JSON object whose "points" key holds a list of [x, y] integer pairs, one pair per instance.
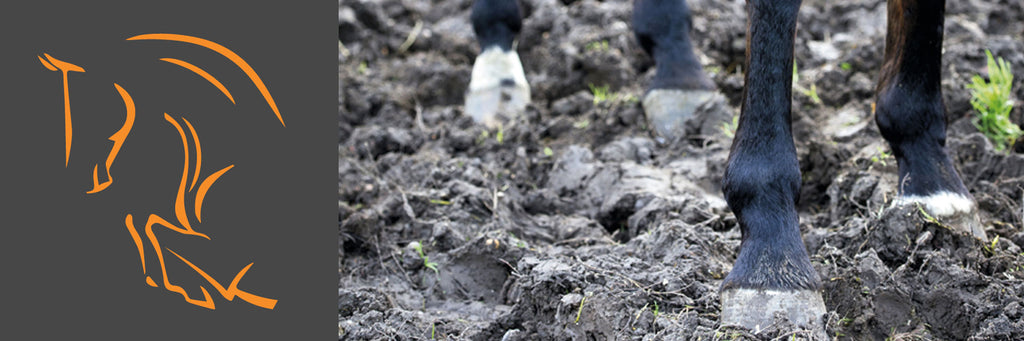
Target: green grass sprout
{"points": [[812, 93], [881, 157], [600, 93], [580, 310], [581, 124], [600, 46], [993, 101], [729, 129], [426, 259]]}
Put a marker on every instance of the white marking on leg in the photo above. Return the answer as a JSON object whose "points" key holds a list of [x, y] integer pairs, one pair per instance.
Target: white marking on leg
{"points": [[494, 65], [942, 204], [488, 101]]}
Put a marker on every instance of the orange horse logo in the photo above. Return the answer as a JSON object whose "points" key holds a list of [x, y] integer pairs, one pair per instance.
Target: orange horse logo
{"points": [[187, 184]]}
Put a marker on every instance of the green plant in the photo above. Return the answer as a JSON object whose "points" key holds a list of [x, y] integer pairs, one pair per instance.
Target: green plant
{"points": [[580, 310], [601, 93], [426, 259], [601, 46], [500, 136], [992, 100], [845, 66], [582, 124], [990, 249], [729, 129], [812, 92], [656, 310], [929, 218], [482, 137], [548, 152], [880, 158]]}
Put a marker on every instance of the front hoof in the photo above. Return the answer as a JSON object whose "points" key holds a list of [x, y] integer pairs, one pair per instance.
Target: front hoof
{"points": [[668, 110], [755, 309]]}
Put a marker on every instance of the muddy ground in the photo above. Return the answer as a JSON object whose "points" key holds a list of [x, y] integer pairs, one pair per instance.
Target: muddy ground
{"points": [[575, 223]]}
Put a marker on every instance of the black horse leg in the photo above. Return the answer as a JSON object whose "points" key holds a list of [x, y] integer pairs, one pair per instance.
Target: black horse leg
{"points": [[662, 27], [773, 273], [911, 116]]}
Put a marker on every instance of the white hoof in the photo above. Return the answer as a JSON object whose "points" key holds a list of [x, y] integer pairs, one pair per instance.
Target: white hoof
{"points": [[497, 90]]}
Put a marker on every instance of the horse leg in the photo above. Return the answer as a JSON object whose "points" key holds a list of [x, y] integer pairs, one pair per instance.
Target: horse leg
{"points": [[497, 86], [662, 27], [911, 115], [772, 273]]}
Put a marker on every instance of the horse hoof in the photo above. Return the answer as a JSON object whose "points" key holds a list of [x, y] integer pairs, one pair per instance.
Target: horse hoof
{"points": [[668, 110], [755, 309], [955, 211], [495, 106], [498, 91]]}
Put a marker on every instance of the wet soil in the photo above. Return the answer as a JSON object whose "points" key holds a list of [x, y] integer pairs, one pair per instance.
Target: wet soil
{"points": [[575, 223]]}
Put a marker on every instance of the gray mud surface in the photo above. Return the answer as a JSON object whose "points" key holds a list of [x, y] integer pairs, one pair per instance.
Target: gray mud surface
{"points": [[575, 223]]}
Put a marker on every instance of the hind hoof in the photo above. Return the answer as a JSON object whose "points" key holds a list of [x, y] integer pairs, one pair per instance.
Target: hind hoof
{"points": [[954, 210], [496, 106], [755, 309], [668, 110], [498, 91]]}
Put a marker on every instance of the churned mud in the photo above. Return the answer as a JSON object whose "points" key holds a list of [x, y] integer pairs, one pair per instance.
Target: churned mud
{"points": [[575, 223]]}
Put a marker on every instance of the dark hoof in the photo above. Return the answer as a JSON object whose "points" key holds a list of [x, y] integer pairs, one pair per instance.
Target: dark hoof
{"points": [[668, 110], [953, 210], [755, 309], [498, 90]]}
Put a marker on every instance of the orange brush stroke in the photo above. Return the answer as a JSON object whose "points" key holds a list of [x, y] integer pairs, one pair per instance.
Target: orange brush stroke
{"points": [[138, 240], [64, 67], [203, 73], [157, 220], [203, 188], [241, 63], [232, 291], [199, 153], [47, 64], [118, 139], [179, 201]]}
